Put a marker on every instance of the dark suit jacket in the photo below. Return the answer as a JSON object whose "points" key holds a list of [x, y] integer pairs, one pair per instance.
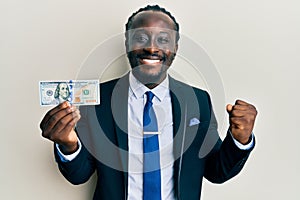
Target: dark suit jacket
{"points": [[198, 150]]}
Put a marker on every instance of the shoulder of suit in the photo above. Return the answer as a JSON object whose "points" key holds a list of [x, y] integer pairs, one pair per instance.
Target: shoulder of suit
{"points": [[120, 81], [186, 86], [109, 83]]}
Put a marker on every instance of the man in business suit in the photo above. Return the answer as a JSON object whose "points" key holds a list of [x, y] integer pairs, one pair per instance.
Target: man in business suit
{"points": [[109, 137]]}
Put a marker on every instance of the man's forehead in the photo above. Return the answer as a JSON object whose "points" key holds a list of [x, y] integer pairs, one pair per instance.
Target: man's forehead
{"points": [[152, 19], [152, 30]]}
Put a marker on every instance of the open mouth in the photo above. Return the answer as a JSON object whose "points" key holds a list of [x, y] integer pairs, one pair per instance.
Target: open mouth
{"points": [[151, 60]]}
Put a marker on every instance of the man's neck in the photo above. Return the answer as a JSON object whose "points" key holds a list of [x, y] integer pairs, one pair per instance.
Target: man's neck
{"points": [[151, 84]]}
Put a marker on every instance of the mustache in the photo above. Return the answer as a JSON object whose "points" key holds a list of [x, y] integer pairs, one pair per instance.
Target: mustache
{"points": [[153, 56], [162, 56]]}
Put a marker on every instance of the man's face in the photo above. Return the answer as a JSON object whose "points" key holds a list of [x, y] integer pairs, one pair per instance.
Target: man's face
{"points": [[151, 46], [64, 91]]}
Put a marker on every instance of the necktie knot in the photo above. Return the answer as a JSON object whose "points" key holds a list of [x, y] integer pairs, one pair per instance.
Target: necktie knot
{"points": [[147, 108], [150, 96]]}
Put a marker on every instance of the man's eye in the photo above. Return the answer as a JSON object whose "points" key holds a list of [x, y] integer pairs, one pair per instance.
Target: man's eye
{"points": [[163, 40], [141, 39]]}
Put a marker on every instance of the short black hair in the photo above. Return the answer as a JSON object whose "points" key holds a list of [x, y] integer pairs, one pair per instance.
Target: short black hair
{"points": [[153, 8]]}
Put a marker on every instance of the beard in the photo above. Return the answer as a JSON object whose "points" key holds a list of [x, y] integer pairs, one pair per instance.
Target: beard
{"points": [[149, 78]]}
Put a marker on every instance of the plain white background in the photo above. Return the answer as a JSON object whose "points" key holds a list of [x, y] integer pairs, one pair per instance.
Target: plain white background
{"points": [[254, 45]]}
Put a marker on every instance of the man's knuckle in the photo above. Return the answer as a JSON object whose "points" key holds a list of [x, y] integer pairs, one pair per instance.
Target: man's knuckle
{"points": [[42, 126], [62, 122], [44, 134], [53, 118], [71, 124], [234, 112], [66, 111], [52, 137], [248, 121], [255, 111]]}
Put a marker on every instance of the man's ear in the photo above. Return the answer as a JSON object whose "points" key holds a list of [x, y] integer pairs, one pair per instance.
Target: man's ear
{"points": [[175, 49], [126, 42], [126, 46]]}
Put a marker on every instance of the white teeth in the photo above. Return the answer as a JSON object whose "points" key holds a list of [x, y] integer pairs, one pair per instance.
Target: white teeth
{"points": [[149, 61]]}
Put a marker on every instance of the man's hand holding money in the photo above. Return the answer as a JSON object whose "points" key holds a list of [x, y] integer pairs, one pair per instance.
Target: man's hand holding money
{"points": [[58, 126]]}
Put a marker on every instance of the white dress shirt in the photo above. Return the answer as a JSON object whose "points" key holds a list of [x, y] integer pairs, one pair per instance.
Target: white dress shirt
{"points": [[163, 109]]}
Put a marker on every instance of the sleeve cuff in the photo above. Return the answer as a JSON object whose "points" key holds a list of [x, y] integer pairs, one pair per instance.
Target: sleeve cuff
{"points": [[68, 158], [242, 146]]}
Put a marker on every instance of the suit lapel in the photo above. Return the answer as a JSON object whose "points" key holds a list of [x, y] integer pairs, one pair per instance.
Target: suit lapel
{"points": [[178, 110], [119, 104]]}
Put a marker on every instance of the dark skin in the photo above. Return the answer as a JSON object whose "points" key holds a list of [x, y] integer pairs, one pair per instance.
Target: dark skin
{"points": [[241, 120], [58, 126], [151, 48]]}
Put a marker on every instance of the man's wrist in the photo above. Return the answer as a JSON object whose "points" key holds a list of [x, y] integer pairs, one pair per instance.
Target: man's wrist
{"points": [[66, 158], [69, 149], [246, 146]]}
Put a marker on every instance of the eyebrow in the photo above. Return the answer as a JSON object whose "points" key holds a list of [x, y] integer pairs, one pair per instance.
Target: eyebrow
{"points": [[145, 30], [165, 32]]}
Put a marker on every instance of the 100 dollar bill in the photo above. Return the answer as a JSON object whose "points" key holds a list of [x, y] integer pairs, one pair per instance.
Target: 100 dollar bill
{"points": [[78, 92]]}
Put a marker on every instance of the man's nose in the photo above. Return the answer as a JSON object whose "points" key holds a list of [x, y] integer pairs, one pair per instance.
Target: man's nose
{"points": [[151, 47]]}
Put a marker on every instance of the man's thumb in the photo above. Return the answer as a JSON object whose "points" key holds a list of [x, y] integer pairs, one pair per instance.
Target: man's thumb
{"points": [[229, 108]]}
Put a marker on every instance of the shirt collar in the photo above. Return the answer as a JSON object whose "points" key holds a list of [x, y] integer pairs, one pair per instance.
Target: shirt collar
{"points": [[138, 89]]}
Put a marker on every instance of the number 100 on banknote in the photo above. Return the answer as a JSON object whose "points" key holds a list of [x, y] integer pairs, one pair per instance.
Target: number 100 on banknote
{"points": [[77, 92]]}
